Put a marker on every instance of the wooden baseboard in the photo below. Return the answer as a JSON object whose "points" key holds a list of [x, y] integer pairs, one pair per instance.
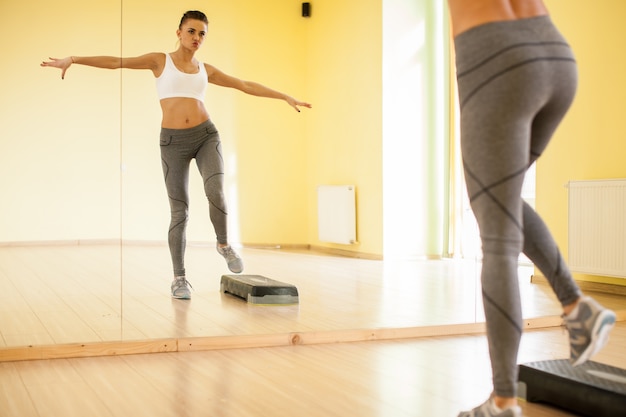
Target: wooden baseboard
{"points": [[116, 348], [313, 249], [84, 350], [269, 246], [346, 253], [278, 246], [70, 242], [586, 286]]}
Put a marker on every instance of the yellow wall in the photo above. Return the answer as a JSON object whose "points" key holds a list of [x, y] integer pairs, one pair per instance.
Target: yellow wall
{"points": [[344, 130], [263, 140], [66, 142], [590, 143], [59, 150]]}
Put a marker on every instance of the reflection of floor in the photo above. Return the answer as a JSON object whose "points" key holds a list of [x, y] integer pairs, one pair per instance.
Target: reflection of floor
{"points": [[85, 294]]}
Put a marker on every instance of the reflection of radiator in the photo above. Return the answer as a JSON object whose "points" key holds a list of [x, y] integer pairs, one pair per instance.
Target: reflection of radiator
{"points": [[336, 214], [597, 227]]}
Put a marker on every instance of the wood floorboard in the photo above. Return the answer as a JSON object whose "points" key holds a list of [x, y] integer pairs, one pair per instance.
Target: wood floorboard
{"points": [[437, 376], [89, 294], [102, 303]]}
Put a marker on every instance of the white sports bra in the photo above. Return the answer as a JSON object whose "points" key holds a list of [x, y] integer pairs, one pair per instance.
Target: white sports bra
{"points": [[174, 83]]}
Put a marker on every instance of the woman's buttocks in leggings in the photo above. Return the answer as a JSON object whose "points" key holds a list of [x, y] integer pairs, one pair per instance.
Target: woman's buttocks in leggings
{"points": [[516, 81]]}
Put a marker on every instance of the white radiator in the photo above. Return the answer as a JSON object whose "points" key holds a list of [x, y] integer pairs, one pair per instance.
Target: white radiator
{"points": [[597, 227], [336, 214]]}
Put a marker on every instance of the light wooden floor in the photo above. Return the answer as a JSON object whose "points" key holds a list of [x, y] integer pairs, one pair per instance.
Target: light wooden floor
{"points": [[103, 293], [426, 377], [107, 294]]}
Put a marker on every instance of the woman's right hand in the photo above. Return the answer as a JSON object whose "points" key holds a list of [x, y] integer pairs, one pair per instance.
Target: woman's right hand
{"points": [[62, 63]]}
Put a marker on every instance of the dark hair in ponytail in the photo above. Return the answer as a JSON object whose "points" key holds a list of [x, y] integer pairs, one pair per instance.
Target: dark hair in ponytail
{"points": [[193, 14]]}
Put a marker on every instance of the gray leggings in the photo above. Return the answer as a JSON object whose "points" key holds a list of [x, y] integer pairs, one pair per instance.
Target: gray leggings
{"points": [[516, 79], [178, 148]]}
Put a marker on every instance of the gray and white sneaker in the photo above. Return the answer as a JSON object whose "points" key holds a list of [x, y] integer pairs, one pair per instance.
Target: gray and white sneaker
{"points": [[589, 330], [488, 409], [180, 288], [234, 262]]}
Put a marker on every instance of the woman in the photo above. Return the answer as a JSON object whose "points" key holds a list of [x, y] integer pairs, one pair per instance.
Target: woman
{"points": [[186, 132], [517, 78]]}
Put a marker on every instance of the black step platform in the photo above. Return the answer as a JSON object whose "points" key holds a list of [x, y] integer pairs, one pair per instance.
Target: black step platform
{"points": [[257, 289], [591, 389]]}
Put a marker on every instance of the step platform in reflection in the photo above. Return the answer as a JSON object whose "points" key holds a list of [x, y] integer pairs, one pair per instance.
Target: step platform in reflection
{"points": [[257, 289]]}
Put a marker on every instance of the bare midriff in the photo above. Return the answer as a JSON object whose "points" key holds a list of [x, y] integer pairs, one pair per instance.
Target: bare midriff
{"points": [[182, 113], [466, 14]]}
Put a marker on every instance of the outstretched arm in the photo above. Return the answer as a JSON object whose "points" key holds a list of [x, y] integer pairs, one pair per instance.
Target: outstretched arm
{"points": [[217, 77], [152, 61]]}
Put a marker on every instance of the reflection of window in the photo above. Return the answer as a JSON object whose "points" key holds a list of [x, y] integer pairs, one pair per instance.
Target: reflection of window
{"points": [[415, 118], [528, 190], [469, 235], [464, 234]]}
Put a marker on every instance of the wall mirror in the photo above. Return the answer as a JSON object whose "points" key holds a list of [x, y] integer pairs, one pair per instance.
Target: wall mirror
{"points": [[83, 257], [60, 159]]}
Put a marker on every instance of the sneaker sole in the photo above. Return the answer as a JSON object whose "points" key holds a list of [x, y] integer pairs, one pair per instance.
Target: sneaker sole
{"points": [[599, 336], [181, 297]]}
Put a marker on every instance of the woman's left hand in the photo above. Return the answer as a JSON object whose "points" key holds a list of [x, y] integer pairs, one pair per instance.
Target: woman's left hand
{"points": [[296, 103]]}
